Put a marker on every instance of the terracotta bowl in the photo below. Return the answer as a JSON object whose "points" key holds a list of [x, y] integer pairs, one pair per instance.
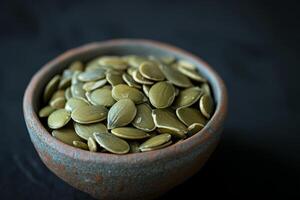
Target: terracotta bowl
{"points": [[134, 176]]}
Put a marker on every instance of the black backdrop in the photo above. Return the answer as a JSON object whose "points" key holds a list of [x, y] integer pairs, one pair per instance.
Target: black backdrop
{"points": [[253, 45]]}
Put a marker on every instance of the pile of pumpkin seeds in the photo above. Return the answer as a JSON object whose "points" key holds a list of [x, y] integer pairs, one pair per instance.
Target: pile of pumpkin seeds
{"points": [[126, 104]]}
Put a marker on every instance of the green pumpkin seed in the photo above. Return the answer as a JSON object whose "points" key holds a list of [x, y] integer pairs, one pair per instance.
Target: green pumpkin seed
{"points": [[157, 147], [76, 66], [121, 113], [134, 146], [188, 97], [206, 105], [74, 103], [86, 130], [114, 61], [163, 118], [129, 81], [68, 94], [66, 135], [112, 143], [58, 94], [130, 70], [192, 74], [114, 78], [46, 111], [92, 145], [189, 116], [75, 79], [90, 86], [194, 128], [64, 83], [102, 97], [58, 103], [123, 91], [137, 76], [89, 114], [206, 89], [175, 77], [80, 145], [77, 90], [167, 59], [135, 61], [186, 64], [162, 94], [51, 87], [129, 133], [151, 71], [92, 75], [143, 119], [58, 118], [156, 141]]}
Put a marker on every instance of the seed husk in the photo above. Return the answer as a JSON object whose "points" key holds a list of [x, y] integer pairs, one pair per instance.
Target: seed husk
{"points": [[192, 74], [163, 118], [89, 114], [137, 76], [102, 96], [77, 90], [143, 119], [151, 71], [129, 133], [187, 97], [90, 86], [194, 128], [112, 143], [121, 113], [129, 81], [92, 145], [189, 116], [80, 145], [58, 102], [92, 75], [58, 118], [51, 87], [76, 66], [156, 141], [86, 130], [175, 77], [123, 91], [114, 78], [206, 105], [66, 135], [46, 111], [162, 94], [74, 103]]}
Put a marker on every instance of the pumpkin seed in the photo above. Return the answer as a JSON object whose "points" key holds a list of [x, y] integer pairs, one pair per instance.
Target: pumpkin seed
{"points": [[151, 71], [143, 119], [156, 141], [112, 143], [58, 94], [114, 78], [194, 128], [186, 64], [134, 146], [114, 61], [206, 105], [58, 118], [66, 135], [129, 133], [189, 116], [80, 145], [92, 75], [74, 103], [46, 111], [86, 130], [146, 89], [89, 114], [58, 103], [175, 77], [163, 118], [135, 61], [162, 94], [89, 86], [75, 79], [64, 83], [92, 145], [77, 90], [76, 66], [157, 147], [206, 89], [124, 91], [68, 94], [102, 97], [121, 113], [130, 70], [192, 74], [187, 97], [167, 59], [129, 81], [137, 76], [51, 87]]}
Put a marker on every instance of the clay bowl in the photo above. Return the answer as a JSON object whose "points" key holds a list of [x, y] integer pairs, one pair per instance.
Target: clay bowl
{"points": [[134, 176]]}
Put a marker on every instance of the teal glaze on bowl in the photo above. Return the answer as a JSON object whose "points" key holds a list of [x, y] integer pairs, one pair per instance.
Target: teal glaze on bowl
{"points": [[144, 175]]}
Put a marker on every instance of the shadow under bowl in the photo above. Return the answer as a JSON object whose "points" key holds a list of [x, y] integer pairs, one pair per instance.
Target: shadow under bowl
{"points": [[144, 175]]}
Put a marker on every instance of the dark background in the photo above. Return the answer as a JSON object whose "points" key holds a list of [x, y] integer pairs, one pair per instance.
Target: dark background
{"points": [[253, 45]]}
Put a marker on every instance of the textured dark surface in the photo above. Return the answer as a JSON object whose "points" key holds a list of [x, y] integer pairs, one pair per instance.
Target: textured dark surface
{"points": [[254, 47]]}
